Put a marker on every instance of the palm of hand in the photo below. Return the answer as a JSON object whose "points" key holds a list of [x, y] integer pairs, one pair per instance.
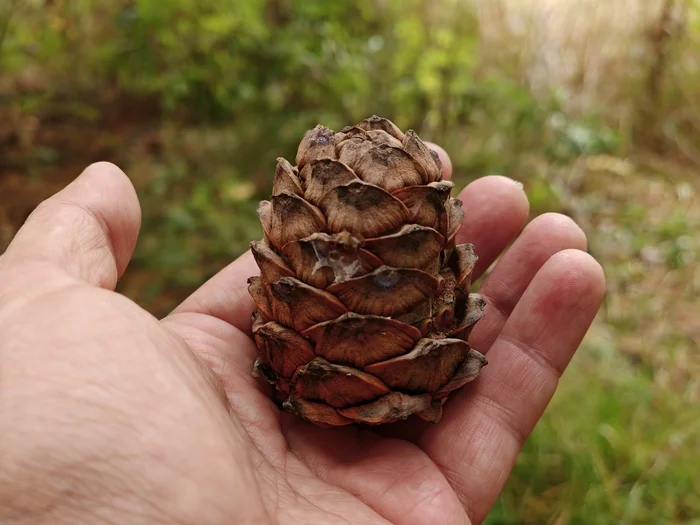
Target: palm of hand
{"points": [[215, 448]]}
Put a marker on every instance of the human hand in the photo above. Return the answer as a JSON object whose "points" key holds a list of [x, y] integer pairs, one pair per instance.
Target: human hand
{"points": [[109, 415]]}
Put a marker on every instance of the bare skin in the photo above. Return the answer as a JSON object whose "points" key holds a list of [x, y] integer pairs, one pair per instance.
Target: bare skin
{"points": [[108, 415]]}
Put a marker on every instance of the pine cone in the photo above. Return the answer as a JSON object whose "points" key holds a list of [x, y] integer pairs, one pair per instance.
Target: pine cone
{"points": [[363, 303]]}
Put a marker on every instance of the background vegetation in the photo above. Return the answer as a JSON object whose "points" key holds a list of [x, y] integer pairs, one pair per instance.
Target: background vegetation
{"points": [[593, 105]]}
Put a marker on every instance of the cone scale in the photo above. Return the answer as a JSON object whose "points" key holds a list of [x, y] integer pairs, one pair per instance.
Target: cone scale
{"points": [[363, 308]]}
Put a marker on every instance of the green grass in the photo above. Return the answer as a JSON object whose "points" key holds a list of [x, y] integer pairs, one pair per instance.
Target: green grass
{"points": [[613, 448]]}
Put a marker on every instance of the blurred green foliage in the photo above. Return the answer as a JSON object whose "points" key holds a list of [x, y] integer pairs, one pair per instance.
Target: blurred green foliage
{"points": [[223, 89], [275, 68], [270, 69]]}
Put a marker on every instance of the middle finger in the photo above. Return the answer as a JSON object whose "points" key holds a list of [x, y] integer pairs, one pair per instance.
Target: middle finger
{"points": [[546, 235]]}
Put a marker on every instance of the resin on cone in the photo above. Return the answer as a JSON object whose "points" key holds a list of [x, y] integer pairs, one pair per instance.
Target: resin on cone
{"points": [[363, 302]]}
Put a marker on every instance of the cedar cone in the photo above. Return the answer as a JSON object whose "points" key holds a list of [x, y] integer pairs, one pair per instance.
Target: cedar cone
{"points": [[363, 302]]}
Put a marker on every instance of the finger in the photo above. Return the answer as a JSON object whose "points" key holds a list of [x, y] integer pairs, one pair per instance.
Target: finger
{"points": [[544, 236], [496, 209], [483, 427], [88, 229]]}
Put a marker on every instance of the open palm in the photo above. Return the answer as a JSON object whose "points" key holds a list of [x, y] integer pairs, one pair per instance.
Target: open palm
{"points": [[542, 295]]}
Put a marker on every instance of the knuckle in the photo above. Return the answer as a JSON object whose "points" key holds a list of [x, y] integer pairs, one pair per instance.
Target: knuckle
{"points": [[65, 217], [86, 236]]}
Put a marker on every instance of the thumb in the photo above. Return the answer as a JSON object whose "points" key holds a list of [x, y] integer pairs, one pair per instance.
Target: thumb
{"points": [[89, 228]]}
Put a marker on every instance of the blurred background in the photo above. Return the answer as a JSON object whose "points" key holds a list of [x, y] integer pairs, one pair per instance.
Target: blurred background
{"points": [[593, 105]]}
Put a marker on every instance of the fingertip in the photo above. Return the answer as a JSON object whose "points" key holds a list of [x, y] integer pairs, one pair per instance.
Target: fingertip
{"points": [[580, 259], [499, 186], [590, 266], [496, 209], [444, 159], [582, 274], [109, 193], [501, 192], [109, 181], [552, 226]]}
